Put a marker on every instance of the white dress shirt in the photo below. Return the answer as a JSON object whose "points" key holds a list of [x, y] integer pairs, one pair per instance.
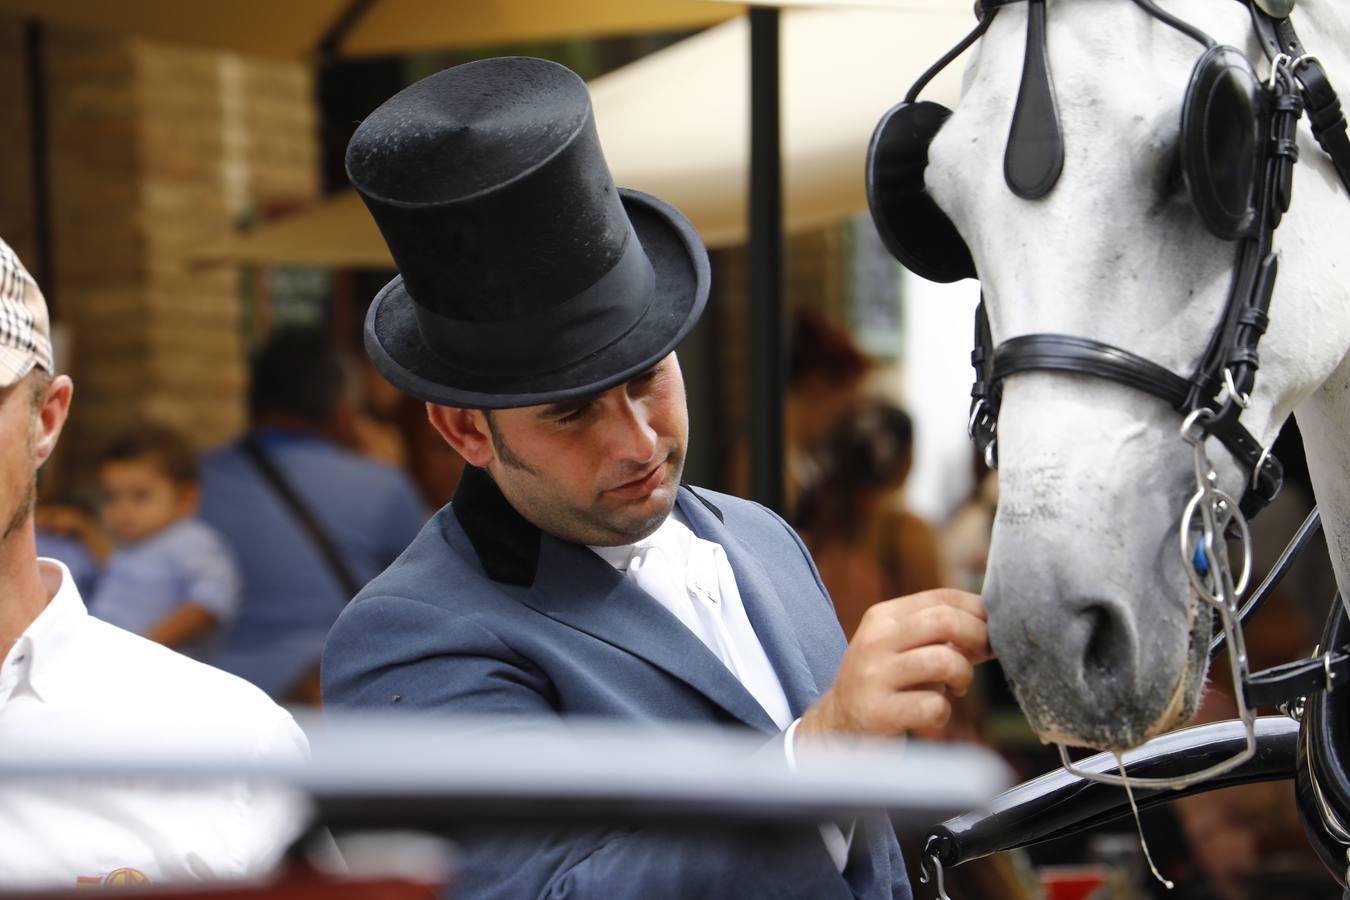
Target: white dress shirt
{"points": [[74, 683], [693, 579]]}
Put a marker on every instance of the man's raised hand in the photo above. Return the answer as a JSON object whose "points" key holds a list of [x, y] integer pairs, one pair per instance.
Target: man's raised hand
{"points": [[906, 661]]}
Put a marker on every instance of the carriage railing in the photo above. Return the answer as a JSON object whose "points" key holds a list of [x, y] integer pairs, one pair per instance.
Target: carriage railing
{"points": [[444, 775], [408, 766]]}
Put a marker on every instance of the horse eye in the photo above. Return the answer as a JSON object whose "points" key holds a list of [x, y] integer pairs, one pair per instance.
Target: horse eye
{"points": [[1173, 183]]}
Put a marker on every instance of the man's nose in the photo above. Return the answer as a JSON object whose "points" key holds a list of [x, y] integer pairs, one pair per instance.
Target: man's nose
{"points": [[632, 435]]}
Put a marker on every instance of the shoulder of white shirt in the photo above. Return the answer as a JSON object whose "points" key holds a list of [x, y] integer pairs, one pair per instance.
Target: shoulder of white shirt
{"points": [[83, 666]]}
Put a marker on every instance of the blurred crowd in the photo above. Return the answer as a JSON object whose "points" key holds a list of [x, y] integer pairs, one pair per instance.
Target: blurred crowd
{"points": [[243, 557]]}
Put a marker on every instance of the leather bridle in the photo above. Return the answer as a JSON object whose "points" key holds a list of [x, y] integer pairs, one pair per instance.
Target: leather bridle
{"points": [[1219, 388]]}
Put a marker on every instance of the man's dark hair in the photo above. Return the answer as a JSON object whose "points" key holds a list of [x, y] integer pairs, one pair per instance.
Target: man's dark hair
{"points": [[297, 373], [504, 451], [167, 448]]}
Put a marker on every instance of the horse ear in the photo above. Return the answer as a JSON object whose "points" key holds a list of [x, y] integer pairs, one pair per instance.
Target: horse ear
{"points": [[1219, 135], [911, 225]]}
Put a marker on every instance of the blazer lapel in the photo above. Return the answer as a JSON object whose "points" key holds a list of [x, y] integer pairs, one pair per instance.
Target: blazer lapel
{"points": [[577, 588], [772, 624], [868, 870]]}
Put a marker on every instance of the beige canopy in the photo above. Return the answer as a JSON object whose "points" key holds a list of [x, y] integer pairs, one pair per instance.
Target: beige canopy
{"points": [[675, 124], [295, 28]]}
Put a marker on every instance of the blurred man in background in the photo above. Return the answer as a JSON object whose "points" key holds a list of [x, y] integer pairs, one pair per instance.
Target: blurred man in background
{"points": [[309, 521]]}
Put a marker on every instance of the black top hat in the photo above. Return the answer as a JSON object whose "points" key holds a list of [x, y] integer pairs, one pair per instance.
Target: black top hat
{"points": [[526, 277]]}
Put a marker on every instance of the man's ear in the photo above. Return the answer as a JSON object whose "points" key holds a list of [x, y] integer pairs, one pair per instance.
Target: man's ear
{"points": [[466, 430], [53, 407]]}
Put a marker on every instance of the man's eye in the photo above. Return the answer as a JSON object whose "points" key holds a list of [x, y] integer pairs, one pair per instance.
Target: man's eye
{"points": [[645, 379], [573, 416]]}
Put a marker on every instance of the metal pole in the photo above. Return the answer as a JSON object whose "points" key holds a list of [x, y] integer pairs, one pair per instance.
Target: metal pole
{"points": [[766, 262], [44, 269]]}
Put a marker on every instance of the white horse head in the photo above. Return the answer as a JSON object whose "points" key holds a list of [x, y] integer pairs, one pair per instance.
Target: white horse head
{"points": [[1090, 608]]}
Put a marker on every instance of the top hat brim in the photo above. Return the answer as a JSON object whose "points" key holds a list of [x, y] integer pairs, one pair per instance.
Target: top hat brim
{"points": [[399, 351]]}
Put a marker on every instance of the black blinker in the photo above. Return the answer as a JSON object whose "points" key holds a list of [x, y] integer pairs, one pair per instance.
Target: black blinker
{"points": [[1219, 122], [911, 225]]}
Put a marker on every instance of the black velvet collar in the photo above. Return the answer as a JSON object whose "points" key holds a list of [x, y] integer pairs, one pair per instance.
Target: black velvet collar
{"points": [[506, 542]]}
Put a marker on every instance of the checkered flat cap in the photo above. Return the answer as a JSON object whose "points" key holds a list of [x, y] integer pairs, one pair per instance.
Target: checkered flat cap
{"points": [[25, 331]]}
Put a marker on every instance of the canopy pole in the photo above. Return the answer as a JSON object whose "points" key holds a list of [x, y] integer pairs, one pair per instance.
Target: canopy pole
{"points": [[767, 368], [330, 45], [34, 41]]}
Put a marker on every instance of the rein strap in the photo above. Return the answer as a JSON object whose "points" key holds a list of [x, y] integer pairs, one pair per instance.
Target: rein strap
{"points": [[1278, 37]]}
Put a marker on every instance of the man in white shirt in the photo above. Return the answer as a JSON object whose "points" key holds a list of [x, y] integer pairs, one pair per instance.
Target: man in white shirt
{"points": [[536, 311], [68, 680]]}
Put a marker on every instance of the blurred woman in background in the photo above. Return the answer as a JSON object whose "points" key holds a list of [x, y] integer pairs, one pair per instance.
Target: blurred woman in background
{"points": [[867, 546]]}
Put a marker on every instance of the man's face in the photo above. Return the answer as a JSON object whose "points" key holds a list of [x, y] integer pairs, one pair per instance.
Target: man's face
{"points": [[602, 470], [18, 463]]}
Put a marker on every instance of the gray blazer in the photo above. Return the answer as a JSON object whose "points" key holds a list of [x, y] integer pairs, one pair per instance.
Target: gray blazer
{"points": [[485, 614]]}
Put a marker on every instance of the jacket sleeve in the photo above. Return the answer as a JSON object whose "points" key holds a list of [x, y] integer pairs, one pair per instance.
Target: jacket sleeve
{"points": [[393, 652]]}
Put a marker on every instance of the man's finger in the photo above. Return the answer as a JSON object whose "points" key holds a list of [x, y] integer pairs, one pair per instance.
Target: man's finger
{"points": [[916, 710], [889, 613], [937, 666], [965, 600], [936, 623]]}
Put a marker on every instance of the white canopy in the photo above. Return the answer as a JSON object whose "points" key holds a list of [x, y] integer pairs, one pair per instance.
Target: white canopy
{"points": [[295, 29], [676, 124]]}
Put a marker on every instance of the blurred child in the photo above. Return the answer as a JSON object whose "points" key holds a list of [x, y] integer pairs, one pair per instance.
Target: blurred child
{"points": [[171, 578]]}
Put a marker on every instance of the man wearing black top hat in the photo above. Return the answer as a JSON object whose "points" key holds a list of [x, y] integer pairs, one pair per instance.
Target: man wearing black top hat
{"points": [[537, 311]]}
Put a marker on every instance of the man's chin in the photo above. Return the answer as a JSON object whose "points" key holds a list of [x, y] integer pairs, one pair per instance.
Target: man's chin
{"points": [[641, 519], [633, 520]]}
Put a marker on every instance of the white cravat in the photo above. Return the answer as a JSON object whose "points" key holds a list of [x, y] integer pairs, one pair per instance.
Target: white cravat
{"points": [[692, 578]]}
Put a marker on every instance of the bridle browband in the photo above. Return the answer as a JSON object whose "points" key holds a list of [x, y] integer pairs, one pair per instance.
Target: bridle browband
{"points": [[1219, 388]]}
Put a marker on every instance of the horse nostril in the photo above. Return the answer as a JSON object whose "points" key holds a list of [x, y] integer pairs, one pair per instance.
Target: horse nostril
{"points": [[1107, 646]]}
